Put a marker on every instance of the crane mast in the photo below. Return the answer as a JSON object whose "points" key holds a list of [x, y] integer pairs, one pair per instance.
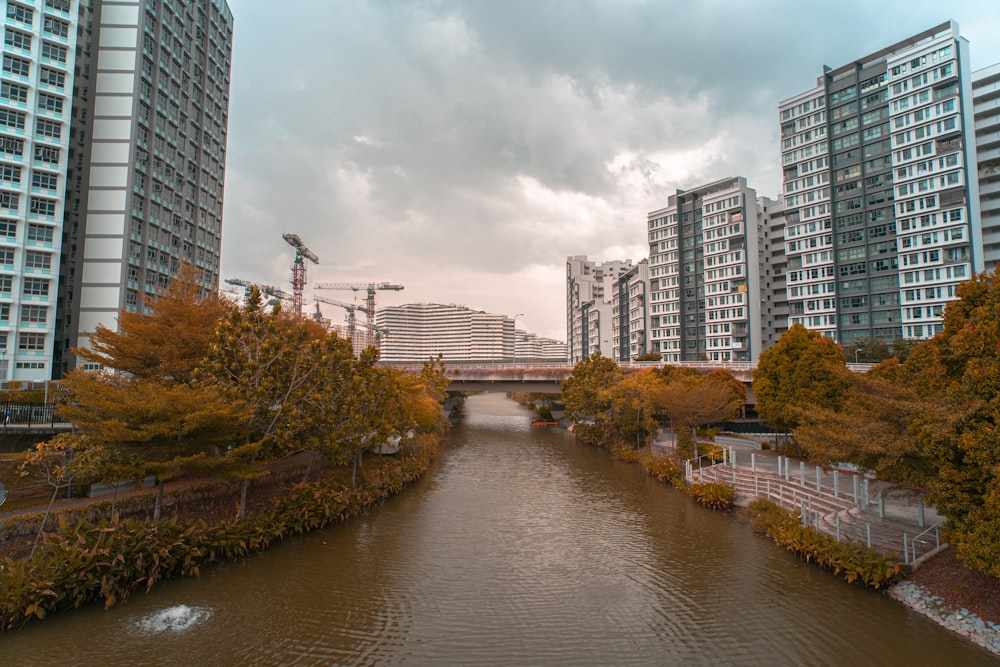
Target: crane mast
{"points": [[299, 270]]}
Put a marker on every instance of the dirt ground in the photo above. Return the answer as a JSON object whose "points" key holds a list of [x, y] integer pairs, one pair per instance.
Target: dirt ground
{"points": [[946, 577]]}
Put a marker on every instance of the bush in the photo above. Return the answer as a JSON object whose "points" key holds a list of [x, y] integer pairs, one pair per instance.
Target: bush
{"points": [[108, 558], [715, 495], [849, 560]]}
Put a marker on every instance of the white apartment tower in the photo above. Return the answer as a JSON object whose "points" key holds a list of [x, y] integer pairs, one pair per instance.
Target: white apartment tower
{"points": [[36, 111], [589, 313], [704, 274], [630, 311], [154, 159], [882, 210], [417, 332]]}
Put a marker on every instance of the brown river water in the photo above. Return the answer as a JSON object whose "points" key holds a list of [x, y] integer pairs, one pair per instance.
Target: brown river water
{"points": [[519, 547]]}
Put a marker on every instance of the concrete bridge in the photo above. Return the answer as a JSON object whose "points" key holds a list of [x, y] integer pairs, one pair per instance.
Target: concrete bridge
{"points": [[546, 378]]}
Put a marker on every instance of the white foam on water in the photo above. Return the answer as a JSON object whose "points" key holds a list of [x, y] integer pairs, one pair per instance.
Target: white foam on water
{"points": [[173, 619]]}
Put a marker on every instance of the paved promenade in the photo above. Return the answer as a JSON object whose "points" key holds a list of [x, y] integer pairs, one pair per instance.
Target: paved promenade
{"points": [[840, 503]]}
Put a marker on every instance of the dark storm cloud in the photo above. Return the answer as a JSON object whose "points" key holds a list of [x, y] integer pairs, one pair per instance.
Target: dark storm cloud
{"points": [[465, 148]]}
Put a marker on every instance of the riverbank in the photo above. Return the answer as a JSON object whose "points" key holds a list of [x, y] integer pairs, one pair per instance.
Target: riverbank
{"points": [[942, 589], [106, 557]]}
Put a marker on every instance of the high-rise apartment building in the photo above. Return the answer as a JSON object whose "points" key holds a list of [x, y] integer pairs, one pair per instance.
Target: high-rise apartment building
{"points": [[113, 121], [589, 313], [630, 313], [986, 111], [154, 159], [36, 106], [705, 264], [881, 195]]}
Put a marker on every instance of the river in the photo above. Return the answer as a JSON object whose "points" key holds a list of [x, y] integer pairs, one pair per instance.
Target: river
{"points": [[519, 547]]}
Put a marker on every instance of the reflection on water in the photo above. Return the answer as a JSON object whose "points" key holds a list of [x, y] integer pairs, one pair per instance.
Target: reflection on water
{"points": [[520, 547]]}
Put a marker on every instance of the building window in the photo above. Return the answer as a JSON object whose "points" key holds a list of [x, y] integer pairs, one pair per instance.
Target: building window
{"points": [[14, 92], [11, 146], [31, 341], [10, 200], [39, 233], [47, 154], [8, 228], [34, 259], [16, 39], [55, 27], [59, 5], [47, 128], [53, 52], [20, 13], [53, 77], [10, 173], [12, 119], [36, 287], [34, 314], [44, 180], [16, 66], [45, 207], [51, 103], [7, 256]]}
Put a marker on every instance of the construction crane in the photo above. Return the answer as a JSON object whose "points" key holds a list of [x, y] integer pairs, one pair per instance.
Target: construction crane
{"points": [[369, 309], [267, 290], [299, 269], [349, 307]]}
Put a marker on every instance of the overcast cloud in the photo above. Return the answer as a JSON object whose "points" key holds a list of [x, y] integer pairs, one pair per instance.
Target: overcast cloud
{"points": [[464, 149]]}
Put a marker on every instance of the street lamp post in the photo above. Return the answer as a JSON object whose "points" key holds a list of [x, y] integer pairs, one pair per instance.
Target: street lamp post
{"points": [[514, 357], [856, 350]]}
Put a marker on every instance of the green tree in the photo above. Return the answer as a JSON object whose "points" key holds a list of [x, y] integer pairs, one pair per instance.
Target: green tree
{"points": [[867, 351], [799, 370]]}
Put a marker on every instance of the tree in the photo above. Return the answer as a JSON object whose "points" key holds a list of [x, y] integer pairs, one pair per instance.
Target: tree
{"points": [[143, 412], [959, 369], [873, 429], [632, 406], [585, 396], [693, 401], [797, 371], [169, 342], [867, 351], [649, 356]]}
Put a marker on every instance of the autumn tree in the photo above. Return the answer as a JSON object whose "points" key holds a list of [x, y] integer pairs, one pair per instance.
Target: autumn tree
{"points": [[633, 402], [797, 371], [691, 401], [585, 395], [874, 428], [959, 370], [142, 410]]}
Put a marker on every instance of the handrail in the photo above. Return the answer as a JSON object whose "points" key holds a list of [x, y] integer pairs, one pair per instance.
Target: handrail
{"points": [[912, 556]]}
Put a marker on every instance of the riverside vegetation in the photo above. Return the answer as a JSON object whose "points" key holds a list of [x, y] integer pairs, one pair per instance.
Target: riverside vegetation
{"points": [[202, 390]]}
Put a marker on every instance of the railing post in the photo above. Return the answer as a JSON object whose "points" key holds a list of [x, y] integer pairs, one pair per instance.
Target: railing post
{"points": [[767, 485], [819, 479], [881, 503], [756, 492], [857, 492], [868, 535], [836, 483], [836, 521], [779, 465], [802, 473], [788, 473], [920, 514], [864, 492], [906, 558], [753, 462], [781, 494]]}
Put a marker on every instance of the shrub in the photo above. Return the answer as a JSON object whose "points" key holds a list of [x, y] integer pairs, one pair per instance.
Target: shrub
{"points": [[849, 560], [715, 495]]}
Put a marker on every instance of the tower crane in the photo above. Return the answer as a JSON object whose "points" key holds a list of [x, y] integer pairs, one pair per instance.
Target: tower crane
{"points": [[299, 269], [267, 290], [349, 307], [369, 309]]}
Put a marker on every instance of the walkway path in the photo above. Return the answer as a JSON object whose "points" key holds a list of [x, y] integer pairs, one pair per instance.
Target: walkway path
{"points": [[840, 503]]}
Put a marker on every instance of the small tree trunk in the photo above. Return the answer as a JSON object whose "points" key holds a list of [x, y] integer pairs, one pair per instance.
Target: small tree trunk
{"points": [[158, 505], [242, 512], [41, 529]]}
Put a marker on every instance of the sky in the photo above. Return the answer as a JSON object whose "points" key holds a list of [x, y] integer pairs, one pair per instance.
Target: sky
{"points": [[465, 149]]}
